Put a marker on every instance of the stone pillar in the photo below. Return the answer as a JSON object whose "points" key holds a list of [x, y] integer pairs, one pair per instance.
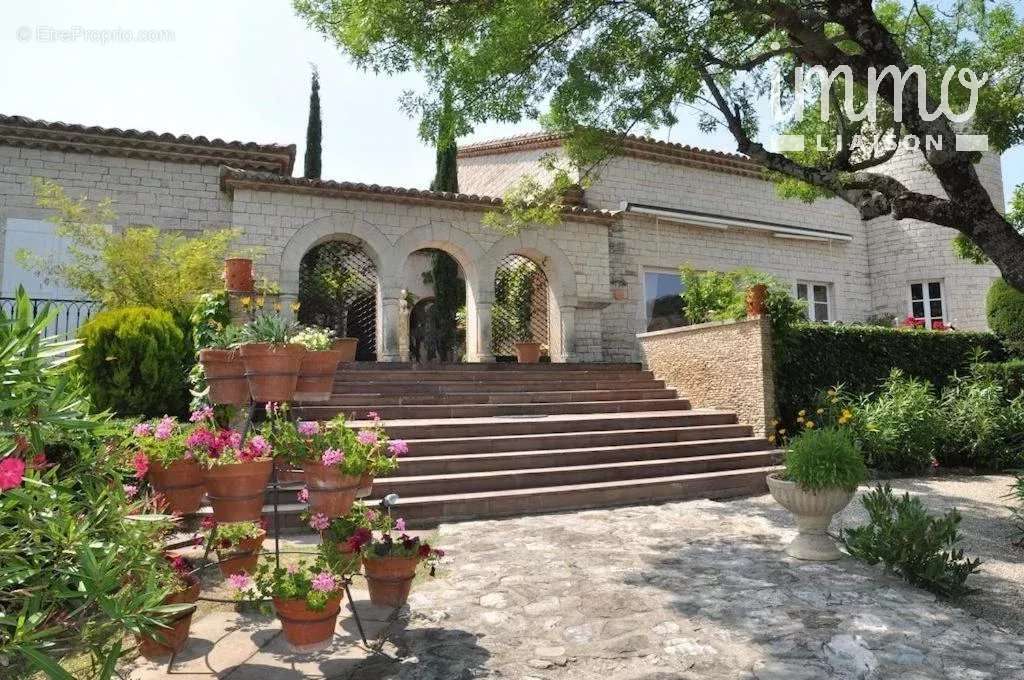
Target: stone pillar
{"points": [[404, 311], [288, 302], [566, 339], [391, 319], [482, 346]]}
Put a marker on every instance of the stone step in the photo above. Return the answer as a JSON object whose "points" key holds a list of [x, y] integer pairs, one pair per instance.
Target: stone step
{"points": [[482, 397], [399, 413], [346, 376], [409, 367], [406, 386]]}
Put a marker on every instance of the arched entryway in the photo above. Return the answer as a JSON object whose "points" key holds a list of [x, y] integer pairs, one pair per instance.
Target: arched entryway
{"points": [[522, 307], [435, 287]]}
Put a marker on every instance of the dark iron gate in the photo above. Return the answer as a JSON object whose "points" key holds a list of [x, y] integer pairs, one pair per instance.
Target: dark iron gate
{"points": [[520, 309]]}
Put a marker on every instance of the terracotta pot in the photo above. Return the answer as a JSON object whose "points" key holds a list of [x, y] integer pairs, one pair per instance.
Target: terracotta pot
{"points": [[527, 352], [365, 486], [166, 641], [225, 374], [347, 347], [238, 274], [619, 293], [330, 492], [240, 557], [180, 483], [236, 491], [304, 629], [389, 579], [756, 296], [316, 375], [813, 511], [272, 370]]}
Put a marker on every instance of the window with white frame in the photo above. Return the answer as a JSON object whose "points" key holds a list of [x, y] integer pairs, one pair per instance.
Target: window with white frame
{"points": [[663, 308], [926, 303], [818, 297]]}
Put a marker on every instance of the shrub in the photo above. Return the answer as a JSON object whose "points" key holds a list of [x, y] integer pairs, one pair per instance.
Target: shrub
{"points": [[900, 425], [920, 548], [1005, 309], [1007, 374], [825, 458], [812, 358], [134, 362], [1017, 510], [981, 427], [718, 296]]}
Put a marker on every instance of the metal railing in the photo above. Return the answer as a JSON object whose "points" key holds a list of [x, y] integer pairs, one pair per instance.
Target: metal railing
{"points": [[70, 313]]}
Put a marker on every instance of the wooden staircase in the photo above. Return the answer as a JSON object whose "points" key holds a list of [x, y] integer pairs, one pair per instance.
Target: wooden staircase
{"points": [[487, 440]]}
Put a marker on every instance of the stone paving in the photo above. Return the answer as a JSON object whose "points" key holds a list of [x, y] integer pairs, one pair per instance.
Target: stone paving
{"points": [[677, 591]]}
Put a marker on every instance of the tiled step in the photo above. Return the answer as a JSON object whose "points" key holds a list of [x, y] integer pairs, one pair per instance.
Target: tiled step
{"points": [[405, 386], [494, 367], [398, 413], [489, 397]]}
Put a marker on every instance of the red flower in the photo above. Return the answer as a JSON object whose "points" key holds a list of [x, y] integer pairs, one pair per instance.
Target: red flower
{"points": [[208, 522], [424, 550], [12, 471], [141, 464], [356, 541], [225, 543]]}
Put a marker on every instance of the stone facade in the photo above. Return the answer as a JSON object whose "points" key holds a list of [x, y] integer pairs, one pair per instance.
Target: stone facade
{"points": [[721, 364]]}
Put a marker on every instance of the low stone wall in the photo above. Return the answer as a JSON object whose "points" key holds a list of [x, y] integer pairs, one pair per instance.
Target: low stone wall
{"points": [[722, 364]]}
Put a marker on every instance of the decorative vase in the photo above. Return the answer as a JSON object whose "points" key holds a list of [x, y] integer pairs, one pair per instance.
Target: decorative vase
{"points": [[238, 274], [347, 347], [236, 491], [365, 486], [180, 483], [527, 352], [756, 296], [330, 491], [316, 375], [225, 374], [171, 640], [272, 371], [304, 629], [389, 579], [813, 511], [240, 557]]}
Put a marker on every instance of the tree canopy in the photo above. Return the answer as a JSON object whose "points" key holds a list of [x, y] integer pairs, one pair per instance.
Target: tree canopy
{"points": [[618, 66]]}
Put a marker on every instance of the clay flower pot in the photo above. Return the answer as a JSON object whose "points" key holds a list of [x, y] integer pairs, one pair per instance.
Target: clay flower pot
{"points": [[180, 483], [813, 510], [756, 296], [389, 579], [330, 492], [365, 486], [165, 641], [307, 630], [316, 375], [225, 374], [619, 293], [272, 371], [347, 347], [527, 352], [237, 490], [238, 274], [241, 556]]}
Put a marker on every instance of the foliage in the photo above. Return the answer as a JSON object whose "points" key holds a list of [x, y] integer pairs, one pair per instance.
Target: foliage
{"points": [[529, 202], [968, 250], [1017, 509], [378, 541], [907, 540], [824, 458], [330, 283], [718, 296], [314, 338], [213, 446], [1005, 309], [209, 321], [130, 267], [446, 173], [269, 328], [981, 426], [449, 296], [228, 534], [512, 311], [334, 539], [812, 358], [161, 441], [315, 583], [128, 351], [1007, 374], [314, 132]]}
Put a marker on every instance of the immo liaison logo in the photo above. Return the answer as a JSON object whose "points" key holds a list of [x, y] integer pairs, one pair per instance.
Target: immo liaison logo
{"points": [[880, 142]]}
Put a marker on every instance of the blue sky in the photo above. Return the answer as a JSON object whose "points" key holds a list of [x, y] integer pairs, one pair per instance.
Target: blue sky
{"points": [[237, 70]]}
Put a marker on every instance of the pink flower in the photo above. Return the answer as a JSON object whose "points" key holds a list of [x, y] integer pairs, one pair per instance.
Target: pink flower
{"points": [[208, 522], [366, 437], [303, 495], [12, 471], [308, 428], [400, 524], [130, 490], [292, 569], [165, 428], [271, 407], [373, 415], [324, 582], [319, 522], [398, 447], [240, 581], [371, 515], [143, 430], [201, 414], [141, 463], [332, 457], [259, 447]]}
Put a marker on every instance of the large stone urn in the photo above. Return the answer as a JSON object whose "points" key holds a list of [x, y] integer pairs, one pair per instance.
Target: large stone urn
{"points": [[814, 511]]}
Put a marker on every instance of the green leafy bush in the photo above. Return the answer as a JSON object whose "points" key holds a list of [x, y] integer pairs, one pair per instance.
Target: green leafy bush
{"points": [[1008, 374], [825, 458], [721, 296], [907, 540], [1017, 509], [1005, 308], [982, 428], [812, 358], [134, 362], [269, 328], [900, 425]]}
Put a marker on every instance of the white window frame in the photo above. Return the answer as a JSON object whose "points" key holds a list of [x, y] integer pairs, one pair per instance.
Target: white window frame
{"points": [[927, 300], [644, 271], [829, 299]]}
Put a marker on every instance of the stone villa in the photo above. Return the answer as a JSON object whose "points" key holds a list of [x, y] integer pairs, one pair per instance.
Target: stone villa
{"points": [[656, 206]]}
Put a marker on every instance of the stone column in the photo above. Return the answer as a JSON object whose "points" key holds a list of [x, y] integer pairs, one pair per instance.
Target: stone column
{"points": [[566, 340], [287, 301], [482, 353]]}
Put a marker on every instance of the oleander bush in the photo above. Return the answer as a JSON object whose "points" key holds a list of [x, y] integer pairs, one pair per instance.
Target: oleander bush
{"points": [[1004, 306], [981, 427], [1008, 374], [899, 426]]}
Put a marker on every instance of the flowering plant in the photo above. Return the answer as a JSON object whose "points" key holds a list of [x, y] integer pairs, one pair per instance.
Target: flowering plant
{"points": [[213, 447], [229, 534], [315, 583], [161, 441], [335, 535], [177, 571], [314, 338], [378, 540]]}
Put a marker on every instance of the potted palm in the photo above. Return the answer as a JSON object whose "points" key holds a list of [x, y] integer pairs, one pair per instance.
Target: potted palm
{"points": [[822, 470], [271, 361], [170, 466], [390, 561], [175, 574], [237, 545], [235, 473], [319, 364], [223, 367]]}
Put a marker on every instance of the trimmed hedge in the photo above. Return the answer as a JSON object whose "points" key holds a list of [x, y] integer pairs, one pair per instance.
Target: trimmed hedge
{"points": [[1004, 306], [811, 358], [134, 362], [1008, 374]]}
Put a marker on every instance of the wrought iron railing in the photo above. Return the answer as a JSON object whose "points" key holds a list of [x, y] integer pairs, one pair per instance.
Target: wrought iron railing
{"points": [[70, 313]]}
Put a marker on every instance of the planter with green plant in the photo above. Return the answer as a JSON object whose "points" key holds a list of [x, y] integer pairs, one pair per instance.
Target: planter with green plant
{"points": [[235, 473], [224, 369], [390, 562], [823, 469], [319, 364], [160, 453], [271, 361], [170, 638], [237, 545]]}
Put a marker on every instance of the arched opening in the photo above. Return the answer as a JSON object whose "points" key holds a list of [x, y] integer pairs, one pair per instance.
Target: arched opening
{"points": [[522, 307], [435, 285], [338, 289]]}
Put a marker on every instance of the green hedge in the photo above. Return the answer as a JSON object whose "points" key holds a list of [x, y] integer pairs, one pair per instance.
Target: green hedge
{"points": [[1009, 374], [1005, 310], [811, 358], [134, 362]]}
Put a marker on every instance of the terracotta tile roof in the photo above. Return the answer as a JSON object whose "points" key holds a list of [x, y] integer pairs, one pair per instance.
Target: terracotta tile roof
{"points": [[631, 145], [234, 178], [58, 136]]}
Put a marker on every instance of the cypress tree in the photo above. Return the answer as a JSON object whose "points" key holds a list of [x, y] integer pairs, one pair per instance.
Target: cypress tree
{"points": [[446, 173], [314, 130]]}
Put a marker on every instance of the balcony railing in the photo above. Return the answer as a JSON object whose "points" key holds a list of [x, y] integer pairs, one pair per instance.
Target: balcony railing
{"points": [[70, 313]]}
